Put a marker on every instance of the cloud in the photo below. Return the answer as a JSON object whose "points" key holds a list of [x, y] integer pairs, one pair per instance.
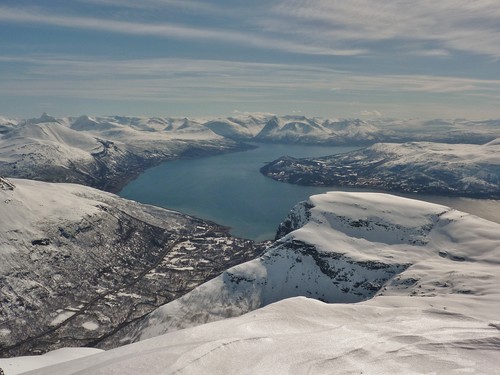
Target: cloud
{"points": [[430, 52], [171, 77], [430, 29], [370, 113], [199, 6], [167, 30], [470, 26]]}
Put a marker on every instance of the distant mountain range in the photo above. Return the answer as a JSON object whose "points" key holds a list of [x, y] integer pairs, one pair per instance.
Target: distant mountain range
{"points": [[104, 153], [107, 152]]}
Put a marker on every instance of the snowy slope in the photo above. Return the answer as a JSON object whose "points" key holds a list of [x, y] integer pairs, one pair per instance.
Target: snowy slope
{"points": [[355, 130], [301, 336], [19, 365], [423, 167], [77, 264], [294, 129], [52, 141], [230, 128], [425, 276]]}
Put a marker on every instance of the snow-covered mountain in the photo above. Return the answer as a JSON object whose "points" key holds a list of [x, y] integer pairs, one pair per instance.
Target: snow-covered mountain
{"points": [[78, 264], [300, 129], [423, 278], [232, 128], [439, 130], [104, 152], [420, 167], [297, 129]]}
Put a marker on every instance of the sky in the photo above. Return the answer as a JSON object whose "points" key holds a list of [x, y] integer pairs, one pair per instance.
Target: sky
{"points": [[327, 58]]}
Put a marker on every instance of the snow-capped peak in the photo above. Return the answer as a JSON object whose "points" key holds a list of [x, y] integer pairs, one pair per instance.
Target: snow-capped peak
{"points": [[43, 119]]}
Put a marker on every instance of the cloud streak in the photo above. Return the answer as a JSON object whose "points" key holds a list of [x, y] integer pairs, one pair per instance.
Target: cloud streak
{"points": [[156, 4], [167, 30], [149, 77], [469, 26]]}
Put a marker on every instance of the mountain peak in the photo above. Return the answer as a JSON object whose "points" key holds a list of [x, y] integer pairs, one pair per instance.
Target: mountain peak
{"points": [[43, 118]]}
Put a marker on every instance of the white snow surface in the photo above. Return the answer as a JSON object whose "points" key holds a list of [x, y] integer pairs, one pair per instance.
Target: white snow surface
{"points": [[32, 205], [423, 278], [20, 365], [422, 153]]}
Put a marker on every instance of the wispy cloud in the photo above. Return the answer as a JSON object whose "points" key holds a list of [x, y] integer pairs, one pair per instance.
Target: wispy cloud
{"points": [[168, 30], [373, 113], [470, 26], [170, 77], [199, 6], [381, 54]]}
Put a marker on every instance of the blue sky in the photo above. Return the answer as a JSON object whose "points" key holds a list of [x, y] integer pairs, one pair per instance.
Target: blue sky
{"points": [[328, 58]]}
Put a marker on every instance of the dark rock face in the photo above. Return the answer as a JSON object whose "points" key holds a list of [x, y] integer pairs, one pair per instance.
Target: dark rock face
{"points": [[6, 184], [295, 219], [345, 273]]}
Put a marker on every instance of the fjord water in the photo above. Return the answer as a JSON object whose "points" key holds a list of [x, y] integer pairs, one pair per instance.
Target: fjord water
{"points": [[230, 190]]}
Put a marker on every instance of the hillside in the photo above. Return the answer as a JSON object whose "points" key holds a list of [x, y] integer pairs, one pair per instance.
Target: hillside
{"points": [[417, 167], [423, 279], [105, 152], [78, 264]]}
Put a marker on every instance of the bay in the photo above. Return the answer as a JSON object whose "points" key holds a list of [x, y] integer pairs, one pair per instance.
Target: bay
{"points": [[230, 190]]}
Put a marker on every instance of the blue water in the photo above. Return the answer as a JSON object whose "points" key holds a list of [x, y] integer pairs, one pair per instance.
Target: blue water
{"points": [[230, 190]]}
